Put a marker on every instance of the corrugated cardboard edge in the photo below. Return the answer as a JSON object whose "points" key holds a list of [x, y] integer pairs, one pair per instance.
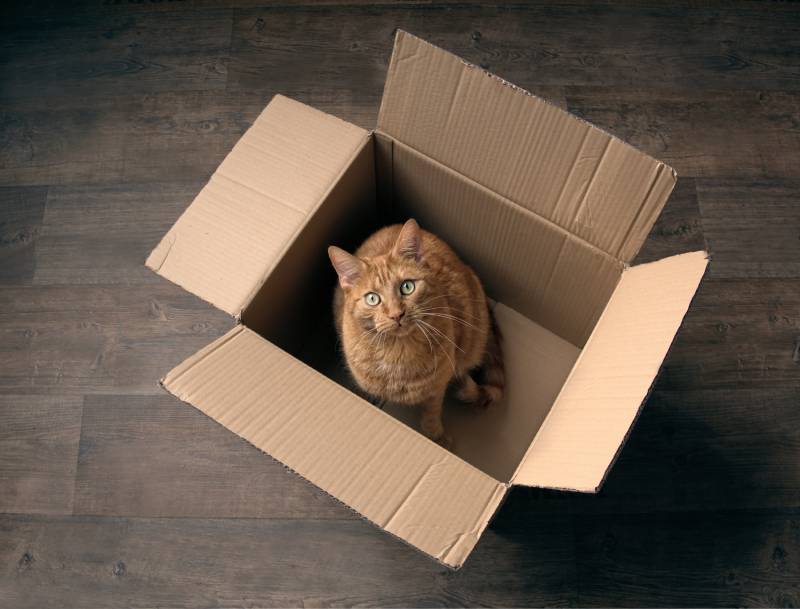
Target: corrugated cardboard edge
{"points": [[642, 403], [293, 237], [155, 264], [453, 557], [652, 385], [392, 66]]}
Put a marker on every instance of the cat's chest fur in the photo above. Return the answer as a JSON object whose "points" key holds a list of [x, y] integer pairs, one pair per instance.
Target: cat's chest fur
{"points": [[398, 369]]}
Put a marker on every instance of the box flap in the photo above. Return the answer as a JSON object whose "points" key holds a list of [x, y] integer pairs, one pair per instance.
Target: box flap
{"points": [[525, 261], [393, 476], [603, 394], [228, 239], [523, 148]]}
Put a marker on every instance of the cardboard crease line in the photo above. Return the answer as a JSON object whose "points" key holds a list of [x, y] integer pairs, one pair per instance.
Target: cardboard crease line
{"points": [[413, 490], [623, 244], [585, 195], [308, 215], [172, 237]]}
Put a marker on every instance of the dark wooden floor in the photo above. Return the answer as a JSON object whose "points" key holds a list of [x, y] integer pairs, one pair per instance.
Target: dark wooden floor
{"points": [[113, 113]]}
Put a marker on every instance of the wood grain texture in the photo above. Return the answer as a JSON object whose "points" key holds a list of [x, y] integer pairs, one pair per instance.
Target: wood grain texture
{"points": [[109, 53], [157, 457], [737, 334], [691, 129], [169, 136], [678, 229], [38, 448], [113, 114], [21, 214], [71, 340], [103, 234], [268, 563], [753, 227], [668, 560]]}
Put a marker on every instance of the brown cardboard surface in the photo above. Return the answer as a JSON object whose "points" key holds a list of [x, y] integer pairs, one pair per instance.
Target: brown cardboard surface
{"points": [[525, 261], [401, 481], [519, 146], [228, 239], [600, 400]]}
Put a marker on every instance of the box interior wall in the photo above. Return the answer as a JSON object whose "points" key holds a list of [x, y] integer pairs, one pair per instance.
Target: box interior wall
{"points": [[543, 319]]}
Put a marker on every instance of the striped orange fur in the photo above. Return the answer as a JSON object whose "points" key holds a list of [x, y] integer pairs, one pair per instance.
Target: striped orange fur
{"points": [[413, 318]]}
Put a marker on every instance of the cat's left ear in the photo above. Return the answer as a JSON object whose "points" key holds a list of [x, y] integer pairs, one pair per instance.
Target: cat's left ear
{"points": [[347, 266], [409, 241]]}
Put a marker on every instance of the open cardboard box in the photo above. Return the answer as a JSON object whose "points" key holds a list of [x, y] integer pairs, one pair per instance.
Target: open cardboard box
{"points": [[548, 209]]}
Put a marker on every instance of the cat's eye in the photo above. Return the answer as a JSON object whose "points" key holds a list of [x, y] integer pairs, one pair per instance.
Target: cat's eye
{"points": [[407, 287], [372, 299]]}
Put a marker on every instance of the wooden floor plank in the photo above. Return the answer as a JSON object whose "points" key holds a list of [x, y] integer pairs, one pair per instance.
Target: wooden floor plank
{"points": [[159, 457], [69, 340], [701, 133], [171, 136], [737, 334], [209, 563], [39, 438], [531, 44], [103, 234], [678, 229], [708, 559], [753, 227], [110, 53], [21, 213]]}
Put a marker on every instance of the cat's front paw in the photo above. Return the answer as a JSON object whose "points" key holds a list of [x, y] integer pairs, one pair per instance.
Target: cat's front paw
{"points": [[445, 441], [484, 400], [435, 431]]}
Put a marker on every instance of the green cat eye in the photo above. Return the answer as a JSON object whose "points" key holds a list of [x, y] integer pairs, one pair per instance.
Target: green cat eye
{"points": [[407, 287], [372, 299]]}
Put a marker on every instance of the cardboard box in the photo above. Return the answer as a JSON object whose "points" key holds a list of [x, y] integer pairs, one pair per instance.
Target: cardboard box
{"points": [[548, 209]]}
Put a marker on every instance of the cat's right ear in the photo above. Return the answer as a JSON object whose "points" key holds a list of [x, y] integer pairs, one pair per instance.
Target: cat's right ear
{"points": [[347, 266]]}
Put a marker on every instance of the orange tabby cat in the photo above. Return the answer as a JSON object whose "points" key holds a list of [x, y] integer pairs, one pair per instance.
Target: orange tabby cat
{"points": [[412, 317]]}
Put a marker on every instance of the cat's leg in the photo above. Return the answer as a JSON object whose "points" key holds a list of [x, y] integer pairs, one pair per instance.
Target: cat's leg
{"points": [[431, 423], [470, 392]]}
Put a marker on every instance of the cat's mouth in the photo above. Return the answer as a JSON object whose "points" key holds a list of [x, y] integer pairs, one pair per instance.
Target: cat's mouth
{"points": [[400, 329]]}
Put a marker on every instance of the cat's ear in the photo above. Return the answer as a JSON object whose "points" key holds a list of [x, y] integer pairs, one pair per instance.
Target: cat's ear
{"points": [[347, 266], [409, 241]]}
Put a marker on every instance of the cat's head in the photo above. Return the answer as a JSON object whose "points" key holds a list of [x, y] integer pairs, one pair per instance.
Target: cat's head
{"points": [[385, 292]]}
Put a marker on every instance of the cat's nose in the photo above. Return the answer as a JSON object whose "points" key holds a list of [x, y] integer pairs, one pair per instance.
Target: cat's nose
{"points": [[397, 316]]}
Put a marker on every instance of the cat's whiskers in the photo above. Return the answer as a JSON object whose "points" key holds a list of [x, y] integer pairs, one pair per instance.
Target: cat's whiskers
{"points": [[375, 339], [446, 354], [380, 339], [421, 329], [456, 298], [447, 311], [452, 317], [364, 335], [442, 334]]}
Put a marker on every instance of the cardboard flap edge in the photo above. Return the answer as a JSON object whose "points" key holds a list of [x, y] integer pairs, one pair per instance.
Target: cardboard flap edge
{"points": [[424, 495], [266, 187], [569, 452]]}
